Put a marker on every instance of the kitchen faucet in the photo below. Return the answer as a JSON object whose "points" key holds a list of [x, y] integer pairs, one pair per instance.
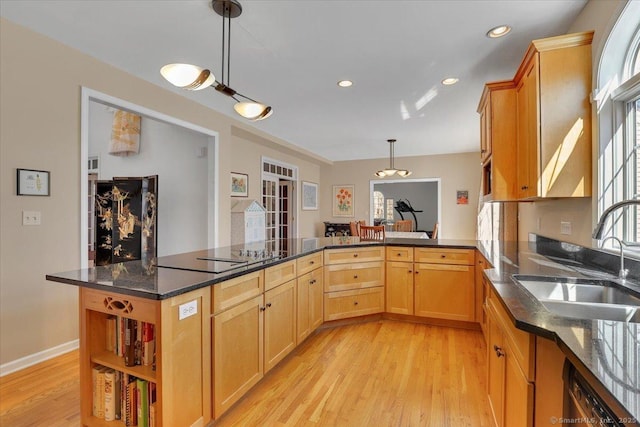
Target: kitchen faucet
{"points": [[622, 273], [597, 232]]}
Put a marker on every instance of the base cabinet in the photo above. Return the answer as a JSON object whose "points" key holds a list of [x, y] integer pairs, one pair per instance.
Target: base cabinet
{"points": [[279, 323], [238, 348], [310, 303]]}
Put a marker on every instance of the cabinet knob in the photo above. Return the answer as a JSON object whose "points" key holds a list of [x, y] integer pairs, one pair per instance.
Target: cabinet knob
{"points": [[399, 254], [443, 256], [311, 282], [263, 308], [355, 276], [498, 351], [417, 272], [483, 151], [312, 262], [355, 255], [410, 271], [355, 303], [524, 187], [268, 304]]}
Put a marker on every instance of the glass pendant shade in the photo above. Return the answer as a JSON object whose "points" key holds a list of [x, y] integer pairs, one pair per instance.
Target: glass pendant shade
{"points": [[391, 170], [187, 76], [253, 110]]}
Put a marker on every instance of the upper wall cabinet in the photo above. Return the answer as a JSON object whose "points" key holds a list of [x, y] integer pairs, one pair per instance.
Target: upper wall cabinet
{"points": [[497, 110], [552, 117]]}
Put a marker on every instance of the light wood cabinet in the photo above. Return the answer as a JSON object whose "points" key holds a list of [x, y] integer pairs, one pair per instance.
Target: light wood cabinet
{"points": [[554, 118], [549, 381], [353, 282], [279, 323], [310, 302], [399, 287], [445, 291], [278, 274], [497, 110], [238, 348], [511, 359], [182, 373], [482, 292], [444, 283]]}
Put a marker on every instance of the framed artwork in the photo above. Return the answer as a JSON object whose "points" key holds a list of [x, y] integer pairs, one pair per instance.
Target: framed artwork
{"points": [[32, 182], [462, 197], [343, 200], [309, 196], [239, 184]]}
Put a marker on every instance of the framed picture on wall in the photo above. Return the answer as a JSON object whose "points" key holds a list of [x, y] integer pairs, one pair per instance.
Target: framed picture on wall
{"points": [[239, 184], [32, 182], [309, 196], [342, 196]]}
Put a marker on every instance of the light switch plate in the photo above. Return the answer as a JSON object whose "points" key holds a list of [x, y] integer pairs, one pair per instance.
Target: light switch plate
{"points": [[565, 227], [31, 218]]}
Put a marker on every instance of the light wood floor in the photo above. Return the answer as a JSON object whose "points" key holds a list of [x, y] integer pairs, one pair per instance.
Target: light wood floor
{"points": [[380, 373]]}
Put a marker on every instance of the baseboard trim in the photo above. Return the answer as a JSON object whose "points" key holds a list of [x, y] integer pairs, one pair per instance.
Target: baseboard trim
{"points": [[32, 359]]}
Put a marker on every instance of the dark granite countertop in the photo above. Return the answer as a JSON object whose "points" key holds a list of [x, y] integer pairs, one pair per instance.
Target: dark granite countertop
{"points": [[607, 353]]}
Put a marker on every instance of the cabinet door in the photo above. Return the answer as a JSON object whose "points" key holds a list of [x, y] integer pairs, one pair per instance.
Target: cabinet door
{"points": [[399, 287], [485, 130], [444, 291], [527, 132], [279, 323], [518, 395], [238, 352], [496, 369], [309, 304], [316, 299]]}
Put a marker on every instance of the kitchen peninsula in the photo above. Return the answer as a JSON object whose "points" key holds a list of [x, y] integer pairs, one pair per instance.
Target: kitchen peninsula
{"points": [[224, 317]]}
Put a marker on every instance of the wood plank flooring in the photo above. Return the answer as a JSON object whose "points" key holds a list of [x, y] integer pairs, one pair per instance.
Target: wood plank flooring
{"points": [[383, 373], [380, 373]]}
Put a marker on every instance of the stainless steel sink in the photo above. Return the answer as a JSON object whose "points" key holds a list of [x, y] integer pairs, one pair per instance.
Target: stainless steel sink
{"points": [[582, 298]]}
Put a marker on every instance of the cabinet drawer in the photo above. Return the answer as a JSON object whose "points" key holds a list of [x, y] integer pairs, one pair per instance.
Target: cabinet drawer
{"points": [[444, 256], [308, 263], [347, 255], [521, 343], [399, 253], [234, 291], [344, 304], [353, 276], [278, 274]]}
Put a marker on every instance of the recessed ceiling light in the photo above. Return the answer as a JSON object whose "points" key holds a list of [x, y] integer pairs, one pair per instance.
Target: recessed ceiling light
{"points": [[499, 31], [345, 83], [450, 81]]}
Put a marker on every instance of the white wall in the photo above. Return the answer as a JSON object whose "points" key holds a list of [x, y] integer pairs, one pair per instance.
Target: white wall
{"points": [[171, 152]]}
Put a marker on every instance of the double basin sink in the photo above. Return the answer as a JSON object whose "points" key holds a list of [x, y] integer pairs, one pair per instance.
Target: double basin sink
{"points": [[582, 298]]}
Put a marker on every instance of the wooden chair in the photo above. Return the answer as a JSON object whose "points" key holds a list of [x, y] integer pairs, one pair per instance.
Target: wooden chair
{"points": [[434, 234], [403, 225], [372, 232], [354, 227]]}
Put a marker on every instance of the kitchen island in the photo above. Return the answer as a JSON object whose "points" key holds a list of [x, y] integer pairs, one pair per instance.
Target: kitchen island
{"points": [[178, 295]]}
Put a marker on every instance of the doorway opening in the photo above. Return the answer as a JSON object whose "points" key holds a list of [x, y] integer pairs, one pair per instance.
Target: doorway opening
{"points": [[280, 202], [96, 106]]}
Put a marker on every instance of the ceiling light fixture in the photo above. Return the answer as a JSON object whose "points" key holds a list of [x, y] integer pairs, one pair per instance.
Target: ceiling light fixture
{"points": [[499, 31], [391, 170], [345, 83], [192, 77], [450, 81]]}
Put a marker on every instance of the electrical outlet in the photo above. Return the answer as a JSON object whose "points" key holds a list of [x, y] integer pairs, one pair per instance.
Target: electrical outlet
{"points": [[538, 223], [31, 218], [565, 227], [188, 309]]}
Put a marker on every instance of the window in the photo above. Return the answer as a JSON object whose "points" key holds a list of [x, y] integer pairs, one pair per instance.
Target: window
{"points": [[618, 104], [378, 205]]}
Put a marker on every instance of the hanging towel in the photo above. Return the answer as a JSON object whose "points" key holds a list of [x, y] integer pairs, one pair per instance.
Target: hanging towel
{"points": [[125, 134]]}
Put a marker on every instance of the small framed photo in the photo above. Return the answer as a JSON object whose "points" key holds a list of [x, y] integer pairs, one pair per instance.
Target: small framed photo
{"points": [[239, 184], [32, 182], [309, 196], [462, 197]]}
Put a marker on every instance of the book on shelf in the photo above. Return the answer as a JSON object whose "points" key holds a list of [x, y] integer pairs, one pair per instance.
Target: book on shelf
{"points": [[148, 343], [131, 402], [130, 334], [98, 380], [142, 402], [109, 395], [110, 335]]}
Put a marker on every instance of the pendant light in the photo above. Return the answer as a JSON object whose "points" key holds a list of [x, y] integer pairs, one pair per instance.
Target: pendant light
{"points": [[192, 77], [391, 170]]}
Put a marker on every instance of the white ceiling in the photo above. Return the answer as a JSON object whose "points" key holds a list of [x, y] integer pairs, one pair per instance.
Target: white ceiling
{"points": [[291, 53]]}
